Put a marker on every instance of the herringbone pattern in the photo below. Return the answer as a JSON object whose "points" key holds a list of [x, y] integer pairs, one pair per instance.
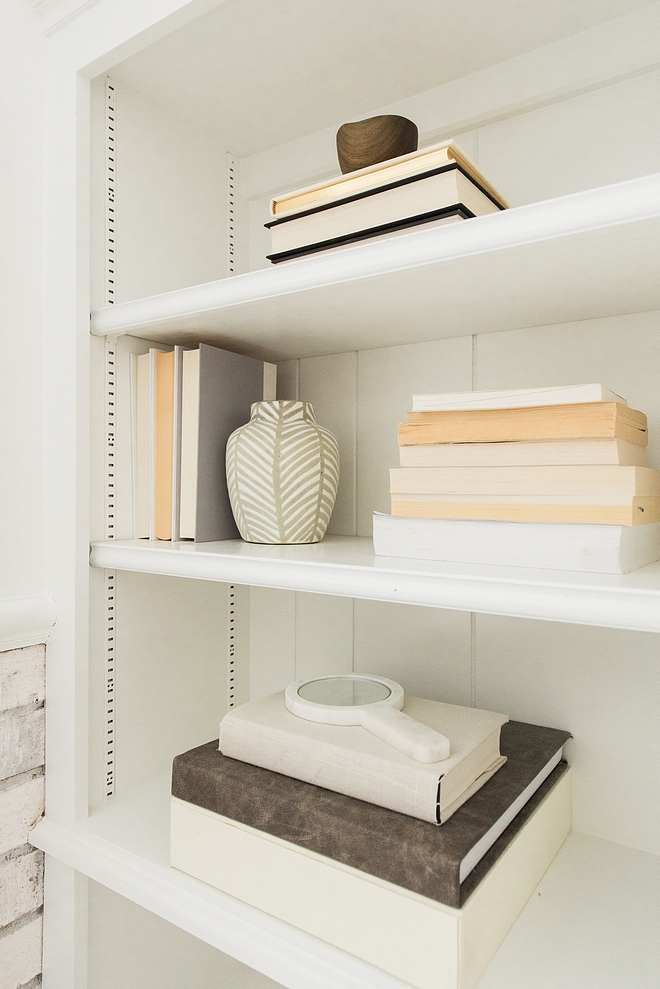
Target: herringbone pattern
{"points": [[282, 474]]}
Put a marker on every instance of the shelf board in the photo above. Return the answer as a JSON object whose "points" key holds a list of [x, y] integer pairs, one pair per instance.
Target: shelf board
{"points": [[346, 566], [582, 256], [599, 902]]}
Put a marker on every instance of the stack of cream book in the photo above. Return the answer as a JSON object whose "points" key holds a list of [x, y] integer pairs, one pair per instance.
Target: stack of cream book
{"points": [[550, 478]]}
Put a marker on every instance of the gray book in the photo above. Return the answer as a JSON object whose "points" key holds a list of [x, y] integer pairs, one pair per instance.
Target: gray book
{"points": [[443, 863], [219, 388]]}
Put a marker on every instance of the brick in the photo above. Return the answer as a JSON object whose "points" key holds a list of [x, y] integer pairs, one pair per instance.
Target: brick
{"points": [[21, 806], [20, 955], [21, 885], [21, 741], [22, 677]]}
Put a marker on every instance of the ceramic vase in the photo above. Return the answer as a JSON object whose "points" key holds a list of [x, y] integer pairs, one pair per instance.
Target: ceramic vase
{"points": [[282, 474]]}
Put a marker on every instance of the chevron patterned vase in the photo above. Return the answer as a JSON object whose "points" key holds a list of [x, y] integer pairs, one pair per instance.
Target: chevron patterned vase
{"points": [[282, 474]]}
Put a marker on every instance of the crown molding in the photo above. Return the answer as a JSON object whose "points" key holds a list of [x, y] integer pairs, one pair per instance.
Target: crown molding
{"points": [[54, 14]]}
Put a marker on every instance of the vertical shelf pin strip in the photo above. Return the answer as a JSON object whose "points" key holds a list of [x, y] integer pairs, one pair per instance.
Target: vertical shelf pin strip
{"points": [[231, 214], [110, 432], [231, 651]]}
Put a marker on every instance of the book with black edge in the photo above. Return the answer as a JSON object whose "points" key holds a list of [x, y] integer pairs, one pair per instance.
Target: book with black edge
{"points": [[394, 847], [443, 191], [434, 218]]}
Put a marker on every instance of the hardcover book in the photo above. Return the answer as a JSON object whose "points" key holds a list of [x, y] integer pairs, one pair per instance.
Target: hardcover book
{"points": [[401, 849], [351, 760], [443, 192]]}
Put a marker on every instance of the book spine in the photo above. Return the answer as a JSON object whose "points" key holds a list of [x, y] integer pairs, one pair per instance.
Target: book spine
{"points": [[641, 511]]}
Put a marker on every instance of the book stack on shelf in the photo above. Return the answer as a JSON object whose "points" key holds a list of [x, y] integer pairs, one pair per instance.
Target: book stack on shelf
{"points": [[553, 478], [434, 186], [351, 824], [187, 404]]}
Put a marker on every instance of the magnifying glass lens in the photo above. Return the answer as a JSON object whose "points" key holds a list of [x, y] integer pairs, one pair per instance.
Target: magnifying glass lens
{"points": [[344, 691]]}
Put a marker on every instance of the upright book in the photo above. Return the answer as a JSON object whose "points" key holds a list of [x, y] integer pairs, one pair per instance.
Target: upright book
{"points": [[219, 388]]}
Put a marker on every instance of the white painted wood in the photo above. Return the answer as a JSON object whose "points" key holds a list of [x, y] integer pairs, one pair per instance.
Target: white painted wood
{"points": [[330, 384], [570, 151], [602, 686], [592, 921], [387, 379], [489, 273], [554, 73], [26, 621], [324, 635], [272, 639], [345, 566], [426, 650], [161, 956], [171, 672]]}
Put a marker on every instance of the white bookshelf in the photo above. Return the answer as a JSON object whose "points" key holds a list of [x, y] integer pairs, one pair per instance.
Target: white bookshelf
{"points": [[596, 899], [562, 288], [346, 566], [496, 272]]}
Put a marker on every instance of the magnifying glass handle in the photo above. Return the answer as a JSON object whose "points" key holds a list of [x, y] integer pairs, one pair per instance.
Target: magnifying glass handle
{"points": [[405, 734]]}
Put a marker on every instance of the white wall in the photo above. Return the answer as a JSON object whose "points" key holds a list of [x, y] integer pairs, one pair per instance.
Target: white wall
{"points": [[21, 363]]}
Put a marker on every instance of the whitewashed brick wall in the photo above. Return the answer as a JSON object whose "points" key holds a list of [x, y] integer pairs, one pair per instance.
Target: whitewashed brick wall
{"points": [[22, 682]]}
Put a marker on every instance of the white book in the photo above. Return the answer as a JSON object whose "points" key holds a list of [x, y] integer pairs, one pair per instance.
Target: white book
{"points": [[143, 465], [543, 453], [613, 549], [350, 760], [517, 398]]}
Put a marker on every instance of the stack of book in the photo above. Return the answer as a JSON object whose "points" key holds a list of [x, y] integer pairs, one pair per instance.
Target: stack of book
{"points": [[187, 404], [434, 186], [551, 478], [349, 827]]}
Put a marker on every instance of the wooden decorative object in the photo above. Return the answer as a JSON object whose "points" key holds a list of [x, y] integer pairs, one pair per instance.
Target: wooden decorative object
{"points": [[366, 142]]}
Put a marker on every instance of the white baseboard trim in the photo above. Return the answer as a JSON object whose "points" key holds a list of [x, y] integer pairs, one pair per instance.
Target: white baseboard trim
{"points": [[26, 621]]}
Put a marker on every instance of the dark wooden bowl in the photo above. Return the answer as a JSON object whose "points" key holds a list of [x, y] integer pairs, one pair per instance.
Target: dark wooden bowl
{"points": [[366, 142]]}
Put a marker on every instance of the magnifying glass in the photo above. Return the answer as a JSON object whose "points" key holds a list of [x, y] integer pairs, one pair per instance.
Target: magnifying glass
{"points": [[372, 702]]}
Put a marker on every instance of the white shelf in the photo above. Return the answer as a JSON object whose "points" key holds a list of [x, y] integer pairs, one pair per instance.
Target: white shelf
{"points": [[598, 900], [346, 566], [581, 256]]}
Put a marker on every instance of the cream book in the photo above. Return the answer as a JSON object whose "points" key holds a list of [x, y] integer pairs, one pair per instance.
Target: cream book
{"points": [[352, 761], [378, 175], [607, 420], [516, 398], [594, 480], [544, 453], [587, 509]]}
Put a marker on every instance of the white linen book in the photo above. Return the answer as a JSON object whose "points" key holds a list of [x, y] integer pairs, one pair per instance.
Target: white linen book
{"points": [[518, 398], [613, 549], [350, 760]]}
